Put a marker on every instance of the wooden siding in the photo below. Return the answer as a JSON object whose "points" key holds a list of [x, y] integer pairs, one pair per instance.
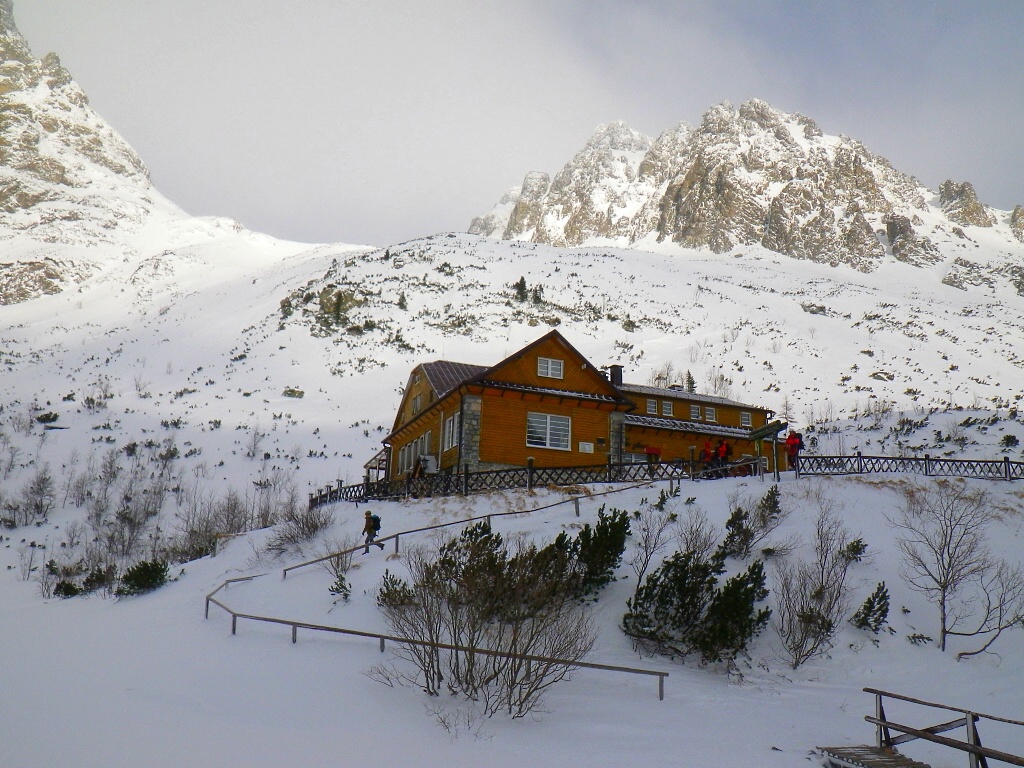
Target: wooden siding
{"points": [[432, 419], [726, 415], [578, 375], [671, 445], [503, 430]]}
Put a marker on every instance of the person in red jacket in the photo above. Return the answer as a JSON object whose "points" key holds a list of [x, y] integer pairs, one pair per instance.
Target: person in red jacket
{"points": [[794, 443]]}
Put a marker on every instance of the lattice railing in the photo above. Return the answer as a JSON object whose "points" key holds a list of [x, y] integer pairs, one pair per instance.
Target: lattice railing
{"points": [[987, 469], [467, 482]]}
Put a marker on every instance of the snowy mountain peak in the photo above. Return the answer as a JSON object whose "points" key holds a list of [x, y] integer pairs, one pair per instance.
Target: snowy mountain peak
{"points": [[759, 176]]}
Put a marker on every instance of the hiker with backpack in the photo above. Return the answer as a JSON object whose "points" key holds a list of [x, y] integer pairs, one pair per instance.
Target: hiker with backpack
{"points": [[371, 527]]}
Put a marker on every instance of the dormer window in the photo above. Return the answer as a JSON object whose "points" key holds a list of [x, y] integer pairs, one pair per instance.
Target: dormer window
{"points": [[549, 367]]}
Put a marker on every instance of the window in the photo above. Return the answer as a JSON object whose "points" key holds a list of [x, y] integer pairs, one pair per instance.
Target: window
{"points": [[695, 412], [549, 368], [745, 419], [666, 408], [417, 401], [709, 413], [652, 407], [547, 431], [451, 433]]}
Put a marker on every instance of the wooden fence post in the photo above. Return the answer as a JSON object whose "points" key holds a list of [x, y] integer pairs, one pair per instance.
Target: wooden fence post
{"points": [[396, 543], [927, 470], [972, 738], [860, 463], [529, 473], [576, 503], [295, 634], [1006, 467], [234, 622]]}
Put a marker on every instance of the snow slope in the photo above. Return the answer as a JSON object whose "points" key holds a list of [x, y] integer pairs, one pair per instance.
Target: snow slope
{"points": [[198, 340]]}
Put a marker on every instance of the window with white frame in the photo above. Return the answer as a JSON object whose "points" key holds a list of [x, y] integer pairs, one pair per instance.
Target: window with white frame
{"points": [[549, 367], [695, 412], [652, 407], [666, 407], [545, 430], [709, 413], [745, 419], [451, 433]]}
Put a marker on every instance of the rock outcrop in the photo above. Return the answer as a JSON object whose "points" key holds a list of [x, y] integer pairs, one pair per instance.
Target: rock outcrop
{"points": [[960, 203], [66, 177], [1017, 222], [752, 175]]}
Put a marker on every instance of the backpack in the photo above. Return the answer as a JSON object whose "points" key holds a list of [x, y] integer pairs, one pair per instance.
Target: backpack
{"points": [[376, 523], [800, 437]]}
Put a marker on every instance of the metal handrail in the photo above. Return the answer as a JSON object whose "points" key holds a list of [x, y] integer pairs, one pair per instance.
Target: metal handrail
{"points": [[395, 536], [296, 625]]}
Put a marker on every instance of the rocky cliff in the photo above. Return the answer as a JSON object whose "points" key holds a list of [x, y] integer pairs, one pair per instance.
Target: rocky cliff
{"points": [[68, 181], [754, 176]]}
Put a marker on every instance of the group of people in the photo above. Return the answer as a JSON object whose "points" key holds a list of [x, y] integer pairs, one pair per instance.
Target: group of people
{"points": [[715, 459]]}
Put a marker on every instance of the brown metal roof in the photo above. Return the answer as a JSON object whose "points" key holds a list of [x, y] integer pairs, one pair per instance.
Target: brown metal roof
{"points": [[444, 375]]}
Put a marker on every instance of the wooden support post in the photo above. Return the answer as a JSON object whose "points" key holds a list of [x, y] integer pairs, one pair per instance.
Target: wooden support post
{"points": [[234, 622], [661, 687], [529, 473], [382, 645], [927, 469], [206, 614], [880, 715], [972, 737], [576, 504], [295, 633]]}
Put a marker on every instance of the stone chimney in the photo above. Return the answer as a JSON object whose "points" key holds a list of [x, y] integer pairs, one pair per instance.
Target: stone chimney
{"points": [[615, 375]]}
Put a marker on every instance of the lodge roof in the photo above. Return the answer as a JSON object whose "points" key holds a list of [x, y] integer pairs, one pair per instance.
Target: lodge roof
{"points": [[445, 375], [548, 391], [678, 425], [640, 389]]}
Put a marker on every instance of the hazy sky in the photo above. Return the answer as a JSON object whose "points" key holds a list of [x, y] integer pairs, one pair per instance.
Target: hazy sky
{"points": [[375, 121]]}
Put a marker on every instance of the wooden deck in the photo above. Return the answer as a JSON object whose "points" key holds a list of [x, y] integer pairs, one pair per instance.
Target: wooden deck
{"points": [[867, 757]]}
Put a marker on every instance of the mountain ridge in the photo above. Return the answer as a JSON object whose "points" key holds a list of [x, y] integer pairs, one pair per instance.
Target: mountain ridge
{"points": [[757, 175]]}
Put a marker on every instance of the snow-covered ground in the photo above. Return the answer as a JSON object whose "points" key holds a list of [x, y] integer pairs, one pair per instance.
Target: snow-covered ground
{"points": [[192, 348], [148, 681]]}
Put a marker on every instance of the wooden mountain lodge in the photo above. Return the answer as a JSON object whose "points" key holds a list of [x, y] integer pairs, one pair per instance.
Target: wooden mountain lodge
{"points": [[548, 406]]}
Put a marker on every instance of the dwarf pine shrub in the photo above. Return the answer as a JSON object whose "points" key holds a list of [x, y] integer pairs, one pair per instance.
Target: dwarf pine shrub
{"points": [[144, 576]]}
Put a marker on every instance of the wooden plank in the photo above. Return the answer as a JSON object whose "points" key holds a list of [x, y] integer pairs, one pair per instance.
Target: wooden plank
{"points": [[868, 757]]}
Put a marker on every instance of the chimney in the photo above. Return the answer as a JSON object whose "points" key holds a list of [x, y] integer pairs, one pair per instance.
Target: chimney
{"points": [[615, 372]]}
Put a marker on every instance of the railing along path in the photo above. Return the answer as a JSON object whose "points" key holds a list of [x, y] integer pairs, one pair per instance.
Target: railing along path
{"points": [[884, 752], [528, 658]]}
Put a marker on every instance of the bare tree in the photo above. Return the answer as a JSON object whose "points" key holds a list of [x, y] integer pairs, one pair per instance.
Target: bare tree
{"points": [[254, 442], [812, 596], [941, 533], [476, 594], [651, 527], [697, 533]]}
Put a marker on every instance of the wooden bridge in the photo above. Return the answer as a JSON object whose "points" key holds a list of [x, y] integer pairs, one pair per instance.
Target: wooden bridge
{"points": [[883, 753]]}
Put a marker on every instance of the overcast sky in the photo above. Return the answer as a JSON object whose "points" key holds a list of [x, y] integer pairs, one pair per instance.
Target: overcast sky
{"points": [[375, 121]]}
